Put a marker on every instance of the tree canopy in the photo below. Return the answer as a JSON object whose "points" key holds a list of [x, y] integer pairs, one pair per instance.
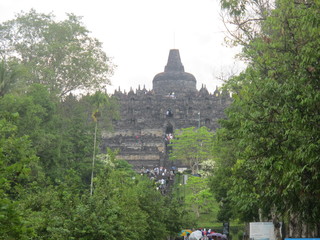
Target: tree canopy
{"points": [[191, 146], [59, 54], [272, 123], [48, 135], [46, 147]]}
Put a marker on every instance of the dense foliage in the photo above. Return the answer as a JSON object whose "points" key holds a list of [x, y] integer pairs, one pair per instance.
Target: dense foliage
{"points": [[59, 54], [46, 148], [50, 139], [191, 146], [273, 124]]}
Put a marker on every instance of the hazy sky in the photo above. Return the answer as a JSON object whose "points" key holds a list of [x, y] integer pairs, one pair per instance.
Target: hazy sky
{"points": [[138, 34]]}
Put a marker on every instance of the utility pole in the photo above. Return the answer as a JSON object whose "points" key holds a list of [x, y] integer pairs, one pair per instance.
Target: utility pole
{"points": [[199, 119], [93, 156]]}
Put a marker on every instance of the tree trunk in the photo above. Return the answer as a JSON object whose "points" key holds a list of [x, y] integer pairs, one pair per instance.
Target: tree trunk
{"points": [[294, 226]]}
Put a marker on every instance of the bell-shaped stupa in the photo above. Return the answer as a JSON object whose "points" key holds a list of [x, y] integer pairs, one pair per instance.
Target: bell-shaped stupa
{"points": [[174, 78]]}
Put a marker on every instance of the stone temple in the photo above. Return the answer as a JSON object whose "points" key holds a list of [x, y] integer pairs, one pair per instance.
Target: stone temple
{"points": [[148, 118]]}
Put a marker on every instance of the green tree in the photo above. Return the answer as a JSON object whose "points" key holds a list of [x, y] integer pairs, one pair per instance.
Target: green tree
{"points": [[58, 54], [9, 75], [272, 122], [191, 146], [152, 203], [61, 132], [36, 110], [220, 181], [99, 100], [16, 160], [175, 213], [124, 205], [201, 198]]}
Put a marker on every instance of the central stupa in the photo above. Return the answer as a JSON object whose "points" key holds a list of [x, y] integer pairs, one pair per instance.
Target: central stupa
{"points": [[174, 79]]}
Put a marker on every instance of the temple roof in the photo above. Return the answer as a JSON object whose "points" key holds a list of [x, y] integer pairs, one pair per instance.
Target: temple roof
{"points": [[174, 62], [174, 78]]}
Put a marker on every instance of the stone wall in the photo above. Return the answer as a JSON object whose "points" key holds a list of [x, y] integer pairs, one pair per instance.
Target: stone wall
{"points": [[140, 133], [147, 116]]}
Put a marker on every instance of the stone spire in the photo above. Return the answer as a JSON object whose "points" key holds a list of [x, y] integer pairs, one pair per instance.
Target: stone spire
{"points": [[174, 62], [174, 78]]}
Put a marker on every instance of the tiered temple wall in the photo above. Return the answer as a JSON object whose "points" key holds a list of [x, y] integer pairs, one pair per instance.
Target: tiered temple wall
{"points": [[144, 122], [148, 116]]}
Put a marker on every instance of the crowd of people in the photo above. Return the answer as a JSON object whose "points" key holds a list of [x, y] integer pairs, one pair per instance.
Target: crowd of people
{"points": [[167, 138], [160, 175], [162, 178], [201, 234]]}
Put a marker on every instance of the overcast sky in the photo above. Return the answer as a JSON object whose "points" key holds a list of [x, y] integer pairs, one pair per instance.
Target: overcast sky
{"points": [[138, 35]]}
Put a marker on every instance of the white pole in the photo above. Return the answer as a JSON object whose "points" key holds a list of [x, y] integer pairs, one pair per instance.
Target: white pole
{"points": [[93, 157]]}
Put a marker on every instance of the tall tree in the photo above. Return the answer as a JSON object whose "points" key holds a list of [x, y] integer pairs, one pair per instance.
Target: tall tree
{"points": [[16, 160], [59, 54], [201, 198], [273, 120], [191, 146], [8, 76], [99, 100]]}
